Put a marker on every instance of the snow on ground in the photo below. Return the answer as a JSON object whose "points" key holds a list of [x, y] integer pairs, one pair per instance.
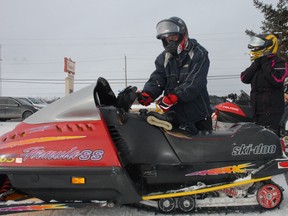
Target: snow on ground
{"points": [[131, 211]]}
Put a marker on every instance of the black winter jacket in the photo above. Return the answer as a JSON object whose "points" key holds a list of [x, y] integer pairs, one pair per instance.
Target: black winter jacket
{"points": [[266, 76], [185, 76]]}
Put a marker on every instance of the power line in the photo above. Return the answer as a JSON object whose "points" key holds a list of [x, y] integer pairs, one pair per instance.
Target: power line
{"points": [[121, 37], [90, 81], [88, 60]]}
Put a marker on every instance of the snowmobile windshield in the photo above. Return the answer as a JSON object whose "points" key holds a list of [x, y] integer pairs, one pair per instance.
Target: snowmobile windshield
{"points": [[166, 28], [256, 42]]}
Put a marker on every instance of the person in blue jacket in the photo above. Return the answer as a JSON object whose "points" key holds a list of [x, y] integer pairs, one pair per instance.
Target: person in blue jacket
{"points": [[181, 78]]}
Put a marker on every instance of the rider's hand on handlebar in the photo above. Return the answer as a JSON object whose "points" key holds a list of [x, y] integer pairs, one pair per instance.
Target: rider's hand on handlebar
{"points": [[144, 98]]}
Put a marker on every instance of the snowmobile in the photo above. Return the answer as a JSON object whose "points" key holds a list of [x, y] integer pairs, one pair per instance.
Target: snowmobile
{"points": [[238, 109], [89, 148], [234, 109]]}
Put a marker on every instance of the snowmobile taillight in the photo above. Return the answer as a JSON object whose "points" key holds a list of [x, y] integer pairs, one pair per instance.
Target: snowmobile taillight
{"points": [[78, 180], [283, 165]]}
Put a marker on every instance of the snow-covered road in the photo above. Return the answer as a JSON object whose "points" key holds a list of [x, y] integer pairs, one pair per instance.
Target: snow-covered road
{"points": [[129, 211]]}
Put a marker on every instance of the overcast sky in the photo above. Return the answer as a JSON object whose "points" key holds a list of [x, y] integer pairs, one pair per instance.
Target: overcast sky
{"points": [[36, 35]]}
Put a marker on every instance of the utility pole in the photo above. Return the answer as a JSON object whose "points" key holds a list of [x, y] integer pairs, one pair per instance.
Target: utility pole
{"points": [[125, 71], [0, 72]]}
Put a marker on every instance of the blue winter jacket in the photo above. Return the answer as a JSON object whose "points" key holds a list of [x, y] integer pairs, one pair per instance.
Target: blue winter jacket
{"points": [[185, 76]]}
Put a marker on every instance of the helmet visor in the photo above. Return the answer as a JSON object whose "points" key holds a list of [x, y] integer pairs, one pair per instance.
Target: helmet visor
{"points": [[256, 42], [165, 28]]}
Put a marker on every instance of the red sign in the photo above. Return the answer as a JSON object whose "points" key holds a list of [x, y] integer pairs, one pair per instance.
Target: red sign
{"points": [[69, 66]]}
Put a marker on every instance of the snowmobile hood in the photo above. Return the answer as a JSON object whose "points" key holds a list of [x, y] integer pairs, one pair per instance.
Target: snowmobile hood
{"points": [[78, 106]]}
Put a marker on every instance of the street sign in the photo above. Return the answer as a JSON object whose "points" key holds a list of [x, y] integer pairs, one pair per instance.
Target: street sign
{"points": [[69, 66]]}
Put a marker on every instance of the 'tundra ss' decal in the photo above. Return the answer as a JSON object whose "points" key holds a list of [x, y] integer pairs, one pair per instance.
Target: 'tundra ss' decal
{"points": [[39, 153], [256, 150]]}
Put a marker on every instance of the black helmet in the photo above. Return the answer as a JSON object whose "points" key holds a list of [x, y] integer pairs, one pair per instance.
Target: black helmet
{"points": [[173, 26]]}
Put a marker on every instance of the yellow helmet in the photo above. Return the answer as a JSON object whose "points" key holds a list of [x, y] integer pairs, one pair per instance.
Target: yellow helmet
{"points": [[262, 45]]}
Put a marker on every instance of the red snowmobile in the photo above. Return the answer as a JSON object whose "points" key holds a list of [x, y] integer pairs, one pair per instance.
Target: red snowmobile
{"points": [[235, 109], [88, 148], [238, 109]]}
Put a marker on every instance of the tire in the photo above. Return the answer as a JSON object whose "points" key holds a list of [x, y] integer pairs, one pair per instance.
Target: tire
{"points": [[26, 114]]}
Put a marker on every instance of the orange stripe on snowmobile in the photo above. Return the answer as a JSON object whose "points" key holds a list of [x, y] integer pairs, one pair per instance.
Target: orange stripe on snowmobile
{"points": [[32, 207], [48, 206], [240, 168], [38, 140]]}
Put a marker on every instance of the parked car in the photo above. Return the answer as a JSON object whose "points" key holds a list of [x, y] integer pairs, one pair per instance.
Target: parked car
{"points": [[15, 108], [34, 101]]}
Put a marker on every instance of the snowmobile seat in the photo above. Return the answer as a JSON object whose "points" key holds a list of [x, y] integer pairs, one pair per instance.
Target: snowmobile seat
{"points": [[224, 145], [202, 134]]}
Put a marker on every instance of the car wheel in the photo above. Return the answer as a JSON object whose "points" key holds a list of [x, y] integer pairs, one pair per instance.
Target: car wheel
{"points": [[26, 114]]}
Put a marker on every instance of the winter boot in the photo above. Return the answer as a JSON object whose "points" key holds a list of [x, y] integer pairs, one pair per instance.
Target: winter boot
{"points": [[161, 120]]}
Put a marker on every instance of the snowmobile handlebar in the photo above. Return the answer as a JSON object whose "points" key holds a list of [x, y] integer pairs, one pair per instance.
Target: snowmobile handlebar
{"points": [[104, 95], [126, 98]]}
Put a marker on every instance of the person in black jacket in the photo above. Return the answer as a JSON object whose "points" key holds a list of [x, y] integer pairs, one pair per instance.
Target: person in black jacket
{"points": [[181, 75], [266, 75]]}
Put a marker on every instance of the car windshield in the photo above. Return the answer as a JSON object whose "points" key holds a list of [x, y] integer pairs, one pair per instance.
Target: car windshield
{"points": [[24, 101], [35, 101]]}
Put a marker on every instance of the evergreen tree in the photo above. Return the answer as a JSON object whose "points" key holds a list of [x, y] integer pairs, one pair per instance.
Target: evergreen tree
{"points": [[276, 22]]}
